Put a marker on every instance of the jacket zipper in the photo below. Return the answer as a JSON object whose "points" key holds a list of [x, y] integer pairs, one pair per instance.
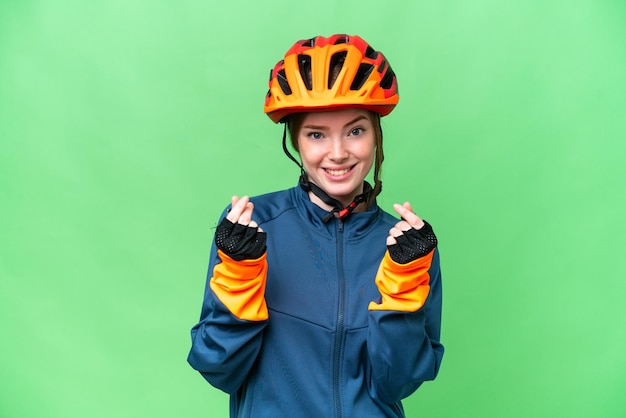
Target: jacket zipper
{"points": [[339, 338]]}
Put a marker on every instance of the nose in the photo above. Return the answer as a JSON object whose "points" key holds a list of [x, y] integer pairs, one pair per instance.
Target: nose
{"points": [[338, 150]]}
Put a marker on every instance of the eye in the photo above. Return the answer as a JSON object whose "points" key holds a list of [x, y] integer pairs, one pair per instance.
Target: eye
{"points": [[315, 135], [356, 131]]}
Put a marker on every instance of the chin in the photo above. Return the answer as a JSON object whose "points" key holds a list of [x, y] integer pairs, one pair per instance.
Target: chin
{"points": [[342, 194]]}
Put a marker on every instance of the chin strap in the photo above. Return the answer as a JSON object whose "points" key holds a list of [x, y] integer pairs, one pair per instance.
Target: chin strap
{"points": [[307, 186], [338, 208]]}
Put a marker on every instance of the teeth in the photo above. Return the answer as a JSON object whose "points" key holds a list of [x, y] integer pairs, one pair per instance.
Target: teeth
{"points": [[337, 172]]}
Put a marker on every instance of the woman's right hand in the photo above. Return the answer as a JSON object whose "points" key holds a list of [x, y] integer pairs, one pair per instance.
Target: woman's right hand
{"points": [[238, 236], [241, 212]]}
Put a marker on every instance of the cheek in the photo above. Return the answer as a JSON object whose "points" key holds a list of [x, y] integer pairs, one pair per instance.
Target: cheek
{"points": [[367, 153], [308, 154], [368, 159], [370, 163]]}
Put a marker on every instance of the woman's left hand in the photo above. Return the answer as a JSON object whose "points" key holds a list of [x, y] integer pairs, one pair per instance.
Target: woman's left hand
{"points": [[409, 220]]}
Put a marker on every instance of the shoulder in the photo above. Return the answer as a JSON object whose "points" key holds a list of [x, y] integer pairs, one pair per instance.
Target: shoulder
{"points": [[386, 218], [271, 205]]}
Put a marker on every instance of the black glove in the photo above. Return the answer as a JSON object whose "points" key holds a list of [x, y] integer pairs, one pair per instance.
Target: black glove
{"points": [[240, 242], [413, 244]]}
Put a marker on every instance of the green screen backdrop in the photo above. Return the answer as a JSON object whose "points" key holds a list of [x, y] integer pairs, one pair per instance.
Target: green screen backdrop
{"points": [[125, 127]]}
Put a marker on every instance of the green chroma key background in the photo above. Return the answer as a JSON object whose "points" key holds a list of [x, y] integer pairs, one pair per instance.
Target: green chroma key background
{"points": [[125, 127]]}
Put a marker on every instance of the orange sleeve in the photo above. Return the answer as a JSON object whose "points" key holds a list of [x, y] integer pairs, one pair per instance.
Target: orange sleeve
{"points": [[404, 287], [240, 286]]}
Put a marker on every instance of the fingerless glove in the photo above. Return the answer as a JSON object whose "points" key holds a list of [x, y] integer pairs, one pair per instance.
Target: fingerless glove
{"points": [[240, 242], [413, 244]]}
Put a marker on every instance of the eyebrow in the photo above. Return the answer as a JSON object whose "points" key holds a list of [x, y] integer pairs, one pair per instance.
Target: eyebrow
{"points": [[321, 127]]}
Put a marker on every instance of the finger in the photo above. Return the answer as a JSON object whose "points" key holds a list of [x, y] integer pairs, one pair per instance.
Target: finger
{"points": [[237, 207], [394, 232], [407, 214], [246, 215], [403, 226], [253, 224]]}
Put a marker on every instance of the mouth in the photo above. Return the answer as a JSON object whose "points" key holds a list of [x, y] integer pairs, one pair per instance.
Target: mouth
{"points": [[338, 172]]}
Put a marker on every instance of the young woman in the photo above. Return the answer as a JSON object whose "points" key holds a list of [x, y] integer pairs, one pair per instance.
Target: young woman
{"points": [[319, 303]]}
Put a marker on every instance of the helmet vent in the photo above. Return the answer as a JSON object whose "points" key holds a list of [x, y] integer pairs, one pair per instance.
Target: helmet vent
{"points": [[361, 76], [381, 67], [371, 53], [336, 64], [341, 40], [283, 83], [387, 80], [304, 62], [309, 43]]}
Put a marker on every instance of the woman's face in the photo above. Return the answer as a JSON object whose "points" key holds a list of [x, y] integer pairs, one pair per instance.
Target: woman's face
{"points": [[337, 149]]}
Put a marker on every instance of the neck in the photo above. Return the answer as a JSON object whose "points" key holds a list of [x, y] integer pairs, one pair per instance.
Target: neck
{"points": [[336, 208], [344, 202], [319, 202]]}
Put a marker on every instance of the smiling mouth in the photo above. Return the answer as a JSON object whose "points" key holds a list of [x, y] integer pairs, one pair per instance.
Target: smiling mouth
{"points": [[338, 172]]}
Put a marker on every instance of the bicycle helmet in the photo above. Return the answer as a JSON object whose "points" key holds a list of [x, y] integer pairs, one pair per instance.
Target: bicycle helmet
{"points": [[326, 73]]}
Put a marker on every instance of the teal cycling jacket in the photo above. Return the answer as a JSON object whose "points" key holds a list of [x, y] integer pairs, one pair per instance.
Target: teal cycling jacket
{"points": [[304, 331]]}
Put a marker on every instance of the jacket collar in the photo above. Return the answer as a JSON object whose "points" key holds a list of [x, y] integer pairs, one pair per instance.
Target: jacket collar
{"points": [[356, 224]]}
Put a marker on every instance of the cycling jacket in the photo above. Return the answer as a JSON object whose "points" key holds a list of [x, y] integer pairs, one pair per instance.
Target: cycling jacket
{"points": [[304, 330]]}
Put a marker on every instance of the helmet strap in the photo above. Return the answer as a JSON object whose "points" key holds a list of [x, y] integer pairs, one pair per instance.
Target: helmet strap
{"points": [[341, 211], [286, 149]]}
